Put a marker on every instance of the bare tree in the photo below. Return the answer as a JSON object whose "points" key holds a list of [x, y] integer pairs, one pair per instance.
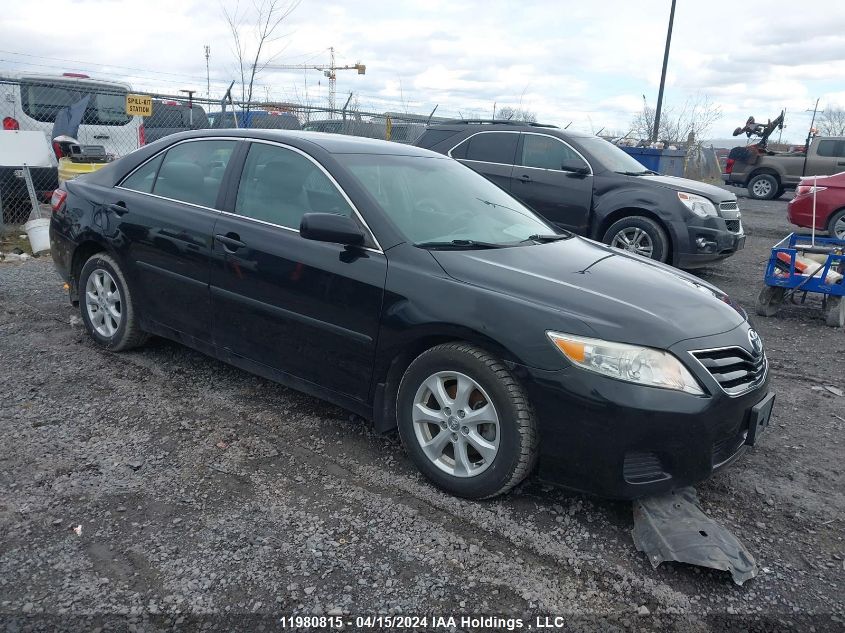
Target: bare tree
{"points": [[832, 121], [509, 113], [688, 125], [262, 25]]}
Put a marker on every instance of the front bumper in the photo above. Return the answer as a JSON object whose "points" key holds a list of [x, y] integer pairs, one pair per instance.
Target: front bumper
{"points": [[706, 240], [621, 440]]}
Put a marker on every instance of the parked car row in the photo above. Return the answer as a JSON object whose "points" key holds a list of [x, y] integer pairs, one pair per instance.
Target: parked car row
{"points": [[406, 287]]}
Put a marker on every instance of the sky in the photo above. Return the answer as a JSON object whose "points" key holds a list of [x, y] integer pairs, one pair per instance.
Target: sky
{"points": [[588, 64]]}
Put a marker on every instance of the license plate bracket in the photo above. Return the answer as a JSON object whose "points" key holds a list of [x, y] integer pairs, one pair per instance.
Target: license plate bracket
{"points": [[758, 418]]}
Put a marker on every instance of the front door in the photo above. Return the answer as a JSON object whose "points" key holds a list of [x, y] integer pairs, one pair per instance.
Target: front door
{"points": [[828, 158], [541, 181], [308, 309], [167, 209]]}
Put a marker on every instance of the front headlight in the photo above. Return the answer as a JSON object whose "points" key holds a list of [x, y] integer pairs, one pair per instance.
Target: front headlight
{"points": [[631, 363], [699, 205]]}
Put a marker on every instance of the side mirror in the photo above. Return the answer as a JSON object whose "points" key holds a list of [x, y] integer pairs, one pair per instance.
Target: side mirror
{"points": [[330, 227], [576, 166]]}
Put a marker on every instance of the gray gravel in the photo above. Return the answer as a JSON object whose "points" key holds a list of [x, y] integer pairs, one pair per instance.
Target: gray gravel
{"points": [[163, 488]]}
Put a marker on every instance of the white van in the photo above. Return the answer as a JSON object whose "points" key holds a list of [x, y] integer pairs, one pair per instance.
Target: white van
{"points": [[31, 102]]}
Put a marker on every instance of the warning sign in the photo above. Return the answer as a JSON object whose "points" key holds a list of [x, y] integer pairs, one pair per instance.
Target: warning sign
{"points": [[139, 105]]}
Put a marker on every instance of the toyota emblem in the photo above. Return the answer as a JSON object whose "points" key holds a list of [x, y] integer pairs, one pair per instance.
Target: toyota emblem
{"points": [[754, 340]]}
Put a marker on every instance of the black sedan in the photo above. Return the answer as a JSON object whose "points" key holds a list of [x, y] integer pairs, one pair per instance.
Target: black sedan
{"points": [[403, 286]]}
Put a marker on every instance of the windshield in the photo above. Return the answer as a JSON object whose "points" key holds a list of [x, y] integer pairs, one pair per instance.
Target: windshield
{"points": [[438, 200], [609, 156]]}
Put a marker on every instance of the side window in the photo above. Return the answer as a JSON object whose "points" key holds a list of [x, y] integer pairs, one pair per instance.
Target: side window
{"points": [[279, 185], [488, 147], [193, 171], [826, 148], [142, 179], [545, 152]]}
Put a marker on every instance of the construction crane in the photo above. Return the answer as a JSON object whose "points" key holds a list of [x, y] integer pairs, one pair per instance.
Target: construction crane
{"points": [[327, 70]]}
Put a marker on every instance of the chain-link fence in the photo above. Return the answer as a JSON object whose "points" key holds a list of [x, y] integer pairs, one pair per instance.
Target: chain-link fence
{"points": [[85, 124]]}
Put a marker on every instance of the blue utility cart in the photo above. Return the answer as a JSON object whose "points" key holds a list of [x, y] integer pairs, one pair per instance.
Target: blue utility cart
{"points": [[800, 264]]}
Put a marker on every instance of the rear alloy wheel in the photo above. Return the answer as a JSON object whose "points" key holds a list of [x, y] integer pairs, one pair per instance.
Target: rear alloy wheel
{"points": [[105, 302], [836, 225], [640, 235], [466, 422], [763, 187]]}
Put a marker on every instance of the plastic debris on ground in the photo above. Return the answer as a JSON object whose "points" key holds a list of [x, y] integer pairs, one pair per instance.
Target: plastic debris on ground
{"points": [[673, 527]]}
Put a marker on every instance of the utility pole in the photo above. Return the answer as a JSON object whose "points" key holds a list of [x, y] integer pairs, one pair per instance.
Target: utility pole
{"points": [[656, 129], [207, 75]]}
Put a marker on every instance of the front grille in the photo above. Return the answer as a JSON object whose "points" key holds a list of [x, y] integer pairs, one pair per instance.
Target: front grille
{"points": [[643, 468], [731, 205], [735, 369], [734, 226]]}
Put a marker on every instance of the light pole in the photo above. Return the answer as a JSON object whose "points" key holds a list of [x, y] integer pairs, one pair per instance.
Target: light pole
{"points": [[656, 129]]}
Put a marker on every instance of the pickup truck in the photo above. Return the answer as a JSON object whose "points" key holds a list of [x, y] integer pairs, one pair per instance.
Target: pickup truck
{"points": [[768, 174], [584, 184]]}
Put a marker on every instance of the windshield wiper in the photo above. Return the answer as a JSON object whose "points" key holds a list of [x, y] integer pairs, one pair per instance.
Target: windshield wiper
{"points": [[549, 237], [460, 244]]}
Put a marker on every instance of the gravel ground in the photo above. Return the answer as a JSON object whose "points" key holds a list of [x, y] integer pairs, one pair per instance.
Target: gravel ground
{"points": [[160, 488]]}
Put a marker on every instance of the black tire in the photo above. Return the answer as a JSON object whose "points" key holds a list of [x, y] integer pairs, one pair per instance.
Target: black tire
{"points": [[763, 187], [659, 239], [779, 193], [518, 436], [834, 311], [839, 216], [769, 300], [128, 333]]}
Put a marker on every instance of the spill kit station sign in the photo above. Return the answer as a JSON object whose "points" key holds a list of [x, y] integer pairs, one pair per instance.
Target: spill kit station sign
{"points": [[139, 105]]}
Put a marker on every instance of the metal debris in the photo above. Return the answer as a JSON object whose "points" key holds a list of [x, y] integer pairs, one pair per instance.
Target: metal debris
{"points": [[673, 527]]}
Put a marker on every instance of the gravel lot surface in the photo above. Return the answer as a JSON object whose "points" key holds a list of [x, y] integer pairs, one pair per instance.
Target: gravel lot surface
{"points": [[160, 487]]}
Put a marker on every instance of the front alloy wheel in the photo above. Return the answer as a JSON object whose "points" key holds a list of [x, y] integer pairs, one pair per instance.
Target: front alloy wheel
{"points": [[466, 421], [634, 240], [456, 424]]}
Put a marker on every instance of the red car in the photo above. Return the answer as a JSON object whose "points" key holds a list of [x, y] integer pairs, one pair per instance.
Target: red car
{"points": [[830, 204]]}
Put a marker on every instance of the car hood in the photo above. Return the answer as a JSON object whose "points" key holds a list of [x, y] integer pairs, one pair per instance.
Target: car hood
{"points": [[716, 194], [621, 297]]}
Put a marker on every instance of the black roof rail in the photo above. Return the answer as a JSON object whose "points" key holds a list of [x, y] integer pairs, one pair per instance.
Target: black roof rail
{"points": [[493, 122]]}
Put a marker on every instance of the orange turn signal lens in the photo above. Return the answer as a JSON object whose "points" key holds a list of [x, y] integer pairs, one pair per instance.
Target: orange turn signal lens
{"points": [[573, 350]]}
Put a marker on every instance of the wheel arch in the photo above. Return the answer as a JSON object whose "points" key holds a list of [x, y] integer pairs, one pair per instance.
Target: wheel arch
{"points": [[81, 254], [627, 212], [759, 171], [388, 374]]}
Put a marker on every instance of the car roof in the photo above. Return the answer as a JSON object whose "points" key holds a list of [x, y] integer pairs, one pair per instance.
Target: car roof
{"points": [[473, 126], [332, 143]]}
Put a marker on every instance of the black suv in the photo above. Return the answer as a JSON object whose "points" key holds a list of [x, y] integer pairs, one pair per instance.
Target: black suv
{"points": [[587, 185]]}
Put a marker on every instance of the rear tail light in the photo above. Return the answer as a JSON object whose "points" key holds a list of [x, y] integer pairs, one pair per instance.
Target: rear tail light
{"points": [[806, 190], [11, 124], [729, 165], [57, 150], [142, 136], [57, 201]]}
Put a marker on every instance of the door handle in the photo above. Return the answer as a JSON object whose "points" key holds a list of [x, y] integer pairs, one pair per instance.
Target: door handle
{"points": [[231, 241], [525, 178], [118, 207]]}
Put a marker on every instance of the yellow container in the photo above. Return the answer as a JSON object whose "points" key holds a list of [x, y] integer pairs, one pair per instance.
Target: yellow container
{"points": [[68, 170]]}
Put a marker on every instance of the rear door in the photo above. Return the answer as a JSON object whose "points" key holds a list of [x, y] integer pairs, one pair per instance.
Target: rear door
{"points": [[308, 309], [827, 156], [165, 210], [491, 154], [541, 182]]}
